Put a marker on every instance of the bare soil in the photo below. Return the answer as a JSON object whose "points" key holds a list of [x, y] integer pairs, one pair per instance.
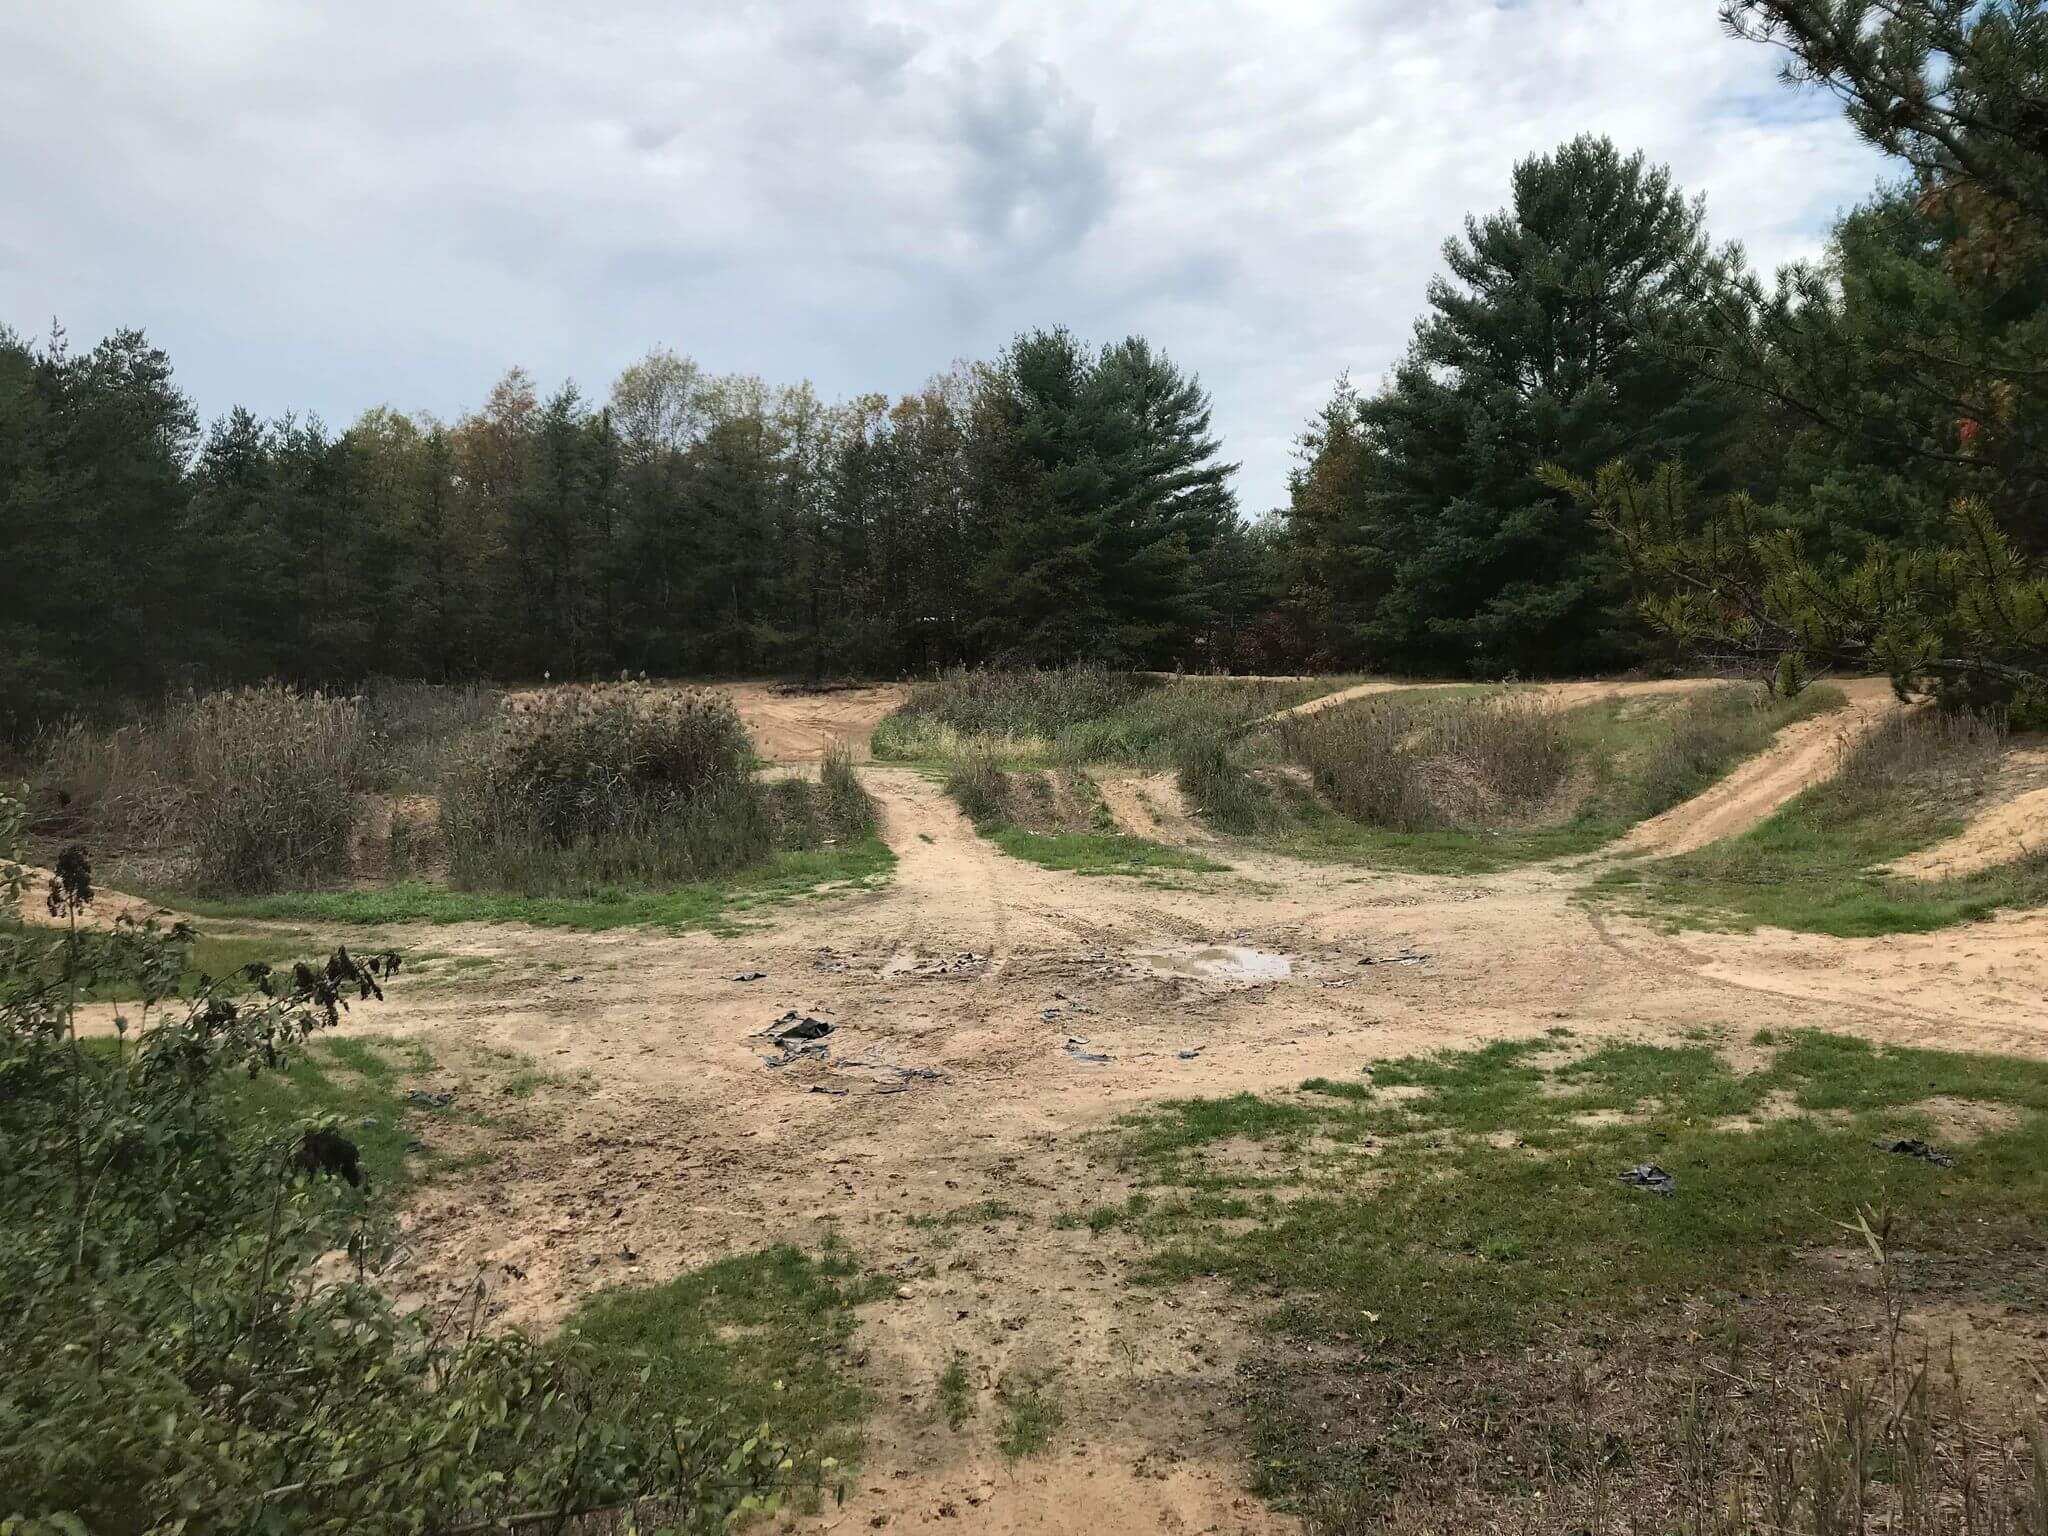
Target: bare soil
{"points": [[2012, 825], [954, 993]]}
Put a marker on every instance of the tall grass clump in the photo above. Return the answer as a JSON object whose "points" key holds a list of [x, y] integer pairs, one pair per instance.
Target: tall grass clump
{"points": [[1015, 711], [1218, 785], [1421, 763], [421, 729], [244, 791], [980, 787], [591, 789], [833, 810]]}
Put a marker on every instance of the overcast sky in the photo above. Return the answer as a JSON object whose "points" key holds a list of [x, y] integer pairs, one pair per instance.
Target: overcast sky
{"points": [[333, 204]]}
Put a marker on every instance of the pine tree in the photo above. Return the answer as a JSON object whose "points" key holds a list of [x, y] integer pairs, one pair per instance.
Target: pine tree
{"points": [[1535, 349]]}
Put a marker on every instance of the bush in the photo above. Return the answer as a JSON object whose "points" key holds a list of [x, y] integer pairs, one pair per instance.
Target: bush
{"points": [[1218, 786], [584, 789], [1018, 712], [980, 786], [177, 1357], [1410, 764], [245, 791]]}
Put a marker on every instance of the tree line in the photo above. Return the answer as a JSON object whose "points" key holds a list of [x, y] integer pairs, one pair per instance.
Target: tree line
{"points": [[1609, 443], [1062, 501]]}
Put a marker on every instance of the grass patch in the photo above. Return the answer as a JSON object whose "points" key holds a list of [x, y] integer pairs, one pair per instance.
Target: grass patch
{"points": [[763, 1334], [1816, 866], [360, 1085], [980, 1214], [1479, 1210], [1031, 1412], [1099, 853], [863, 864], [956, 1394]]}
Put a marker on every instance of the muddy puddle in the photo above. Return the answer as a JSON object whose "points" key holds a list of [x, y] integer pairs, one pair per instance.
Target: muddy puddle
{"points": [[1217, 962]]}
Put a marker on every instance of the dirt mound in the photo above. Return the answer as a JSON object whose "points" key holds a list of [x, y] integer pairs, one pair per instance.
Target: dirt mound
{"points": [[1151, 806], [791, 725], [1805, 753], [2006, 831]]}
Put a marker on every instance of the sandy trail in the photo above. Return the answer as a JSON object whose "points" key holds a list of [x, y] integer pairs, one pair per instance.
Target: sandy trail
{"points": [[1804, 753], [2009, 829], [1562, 695], [677, 1144], [795, 725]]}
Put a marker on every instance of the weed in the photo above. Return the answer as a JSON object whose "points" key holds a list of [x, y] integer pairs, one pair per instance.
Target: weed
{"points": [[956, 1395], [715, 905], [1031, 1412], [1479, 1213]]}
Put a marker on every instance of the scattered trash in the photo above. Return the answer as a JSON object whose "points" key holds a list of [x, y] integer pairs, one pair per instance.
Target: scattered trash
{"points": [[577, 977], [1190, 1055], [415, 1145], [817, 1048], [1649, 1176], [837, 1093], [426, 1100], [798, 1026], [1077, 1048], [967, 963], [1405, 957], [751, 976], [1916, 1148]]}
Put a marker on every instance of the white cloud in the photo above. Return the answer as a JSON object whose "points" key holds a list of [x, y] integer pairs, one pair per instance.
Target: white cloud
{"points": [[339, 203]]}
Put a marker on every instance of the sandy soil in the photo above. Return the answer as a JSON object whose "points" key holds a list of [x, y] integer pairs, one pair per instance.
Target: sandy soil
{"points": [[954, 994], [790, 725], [2012, 827], [681, 1145]]}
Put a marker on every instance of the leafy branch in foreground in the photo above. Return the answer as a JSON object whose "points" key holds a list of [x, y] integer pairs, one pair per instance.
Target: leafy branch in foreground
{"points": [[195, 1331], [1967, 619]]}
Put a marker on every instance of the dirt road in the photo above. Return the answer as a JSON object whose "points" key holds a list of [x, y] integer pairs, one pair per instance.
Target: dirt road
{"points": [[955, 994]]}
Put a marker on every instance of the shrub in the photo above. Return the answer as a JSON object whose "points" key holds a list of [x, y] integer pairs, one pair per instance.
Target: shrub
{"points": [[1408, 764], [244, 791], [1018, 711], [981, 787], [172, 1360], [580, 790], [1217, 785]]}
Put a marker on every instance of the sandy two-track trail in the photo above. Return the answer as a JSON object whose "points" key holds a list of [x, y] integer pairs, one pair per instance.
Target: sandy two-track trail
{"points": [[676, 1144]]}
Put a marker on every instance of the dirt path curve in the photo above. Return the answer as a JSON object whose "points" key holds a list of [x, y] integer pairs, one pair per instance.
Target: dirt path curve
{"points": [[1804, 753], [1562, 695]]}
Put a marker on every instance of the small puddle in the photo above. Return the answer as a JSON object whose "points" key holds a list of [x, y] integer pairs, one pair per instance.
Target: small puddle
{"points": [[1217, 962]]}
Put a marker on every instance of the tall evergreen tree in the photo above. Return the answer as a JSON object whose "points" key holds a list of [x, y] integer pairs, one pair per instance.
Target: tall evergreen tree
{"points": [[1534, 351]]}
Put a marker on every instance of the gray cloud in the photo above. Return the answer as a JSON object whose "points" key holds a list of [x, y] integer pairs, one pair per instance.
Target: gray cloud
{"points": [[354, 202]]}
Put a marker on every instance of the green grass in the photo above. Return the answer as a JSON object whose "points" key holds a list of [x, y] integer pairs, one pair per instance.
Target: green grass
{"points": [[862, 865], [217, 956], [1632, 759], [956, 1395], [764, 1334], [980, 1214], [1099, 853], [1815, 866], [1031, 1412], [1480, 1210], [360, 1084]]}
